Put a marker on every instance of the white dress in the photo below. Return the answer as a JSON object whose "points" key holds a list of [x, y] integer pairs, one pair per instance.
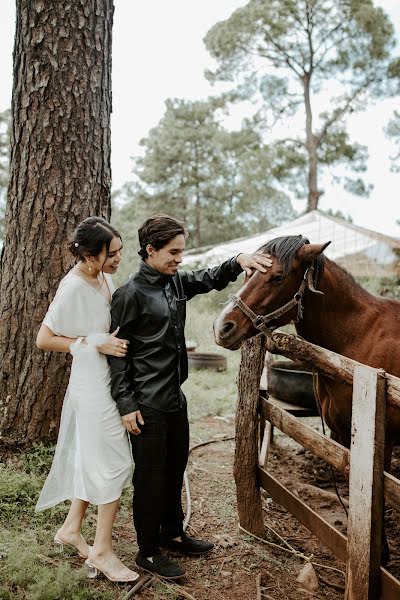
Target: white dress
{"points": [[92, 460]]}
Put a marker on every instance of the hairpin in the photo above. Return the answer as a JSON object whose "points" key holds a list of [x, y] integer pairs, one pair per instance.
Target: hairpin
{"points": [[76, 244]]}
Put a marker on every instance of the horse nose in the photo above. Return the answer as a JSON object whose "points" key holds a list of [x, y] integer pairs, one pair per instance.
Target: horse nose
{"points": [[227, 329]]}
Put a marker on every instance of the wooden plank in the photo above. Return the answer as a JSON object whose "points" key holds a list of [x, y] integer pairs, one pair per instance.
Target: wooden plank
{"points": [[328, 363], [391, 486], [294, 409], [265, 445], [246, 448], [327, 534], [364, 527], [390, 586], [327, 449], [331, 537]]}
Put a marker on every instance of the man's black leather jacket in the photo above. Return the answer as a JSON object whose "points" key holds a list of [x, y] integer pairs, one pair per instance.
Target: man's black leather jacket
{"points": [[150, 309]]}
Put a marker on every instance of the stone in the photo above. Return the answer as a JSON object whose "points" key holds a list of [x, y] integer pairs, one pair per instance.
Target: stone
{"points": [[308, 578]]}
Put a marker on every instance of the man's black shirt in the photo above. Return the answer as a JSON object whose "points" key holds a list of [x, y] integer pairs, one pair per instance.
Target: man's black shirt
{"points": [[150, 309]]}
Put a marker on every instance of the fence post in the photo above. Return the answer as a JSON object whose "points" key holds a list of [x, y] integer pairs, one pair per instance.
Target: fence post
{"points": [[246, 448], [366, 484]]}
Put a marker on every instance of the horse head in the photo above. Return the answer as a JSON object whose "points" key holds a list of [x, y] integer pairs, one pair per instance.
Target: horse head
{"points": [[272, 299]]}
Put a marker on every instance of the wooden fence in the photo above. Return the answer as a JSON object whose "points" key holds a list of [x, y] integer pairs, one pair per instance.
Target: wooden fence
{"points": [[373, 390]]}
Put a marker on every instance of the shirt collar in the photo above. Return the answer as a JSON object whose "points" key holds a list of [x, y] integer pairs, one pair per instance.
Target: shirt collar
{"points": [[152, 275]]}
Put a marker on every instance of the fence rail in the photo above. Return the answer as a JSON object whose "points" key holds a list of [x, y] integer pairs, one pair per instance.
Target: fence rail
{"points": [[373, 392]]}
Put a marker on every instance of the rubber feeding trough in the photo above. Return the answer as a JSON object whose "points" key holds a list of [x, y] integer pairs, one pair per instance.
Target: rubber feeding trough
{"points": [[291, 382], [204, 360]]}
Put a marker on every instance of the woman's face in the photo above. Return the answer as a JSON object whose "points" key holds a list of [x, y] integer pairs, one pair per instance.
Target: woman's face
{"points": [[109, 264]]}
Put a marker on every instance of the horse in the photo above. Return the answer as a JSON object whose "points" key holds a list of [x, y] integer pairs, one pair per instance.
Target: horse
{"points": [[330, 309]]}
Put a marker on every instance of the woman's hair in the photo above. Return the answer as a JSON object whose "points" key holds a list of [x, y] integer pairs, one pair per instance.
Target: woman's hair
{"points": [[158, 230], [90, 236]]}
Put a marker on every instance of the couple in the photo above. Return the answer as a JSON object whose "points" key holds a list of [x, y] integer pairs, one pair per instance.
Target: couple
{"points": [[137, 389]]}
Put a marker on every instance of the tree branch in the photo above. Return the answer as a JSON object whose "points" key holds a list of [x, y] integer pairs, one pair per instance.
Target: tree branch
{"points": [[339, 112]]}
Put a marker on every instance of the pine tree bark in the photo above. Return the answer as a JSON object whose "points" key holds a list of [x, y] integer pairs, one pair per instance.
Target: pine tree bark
{"points": [[59, 174], [246, 448]]}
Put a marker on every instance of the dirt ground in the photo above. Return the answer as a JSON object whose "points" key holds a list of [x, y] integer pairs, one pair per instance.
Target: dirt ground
{"points": [[240, 567]]}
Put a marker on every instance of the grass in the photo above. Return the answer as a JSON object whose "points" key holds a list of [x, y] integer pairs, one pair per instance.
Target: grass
{"points": [[208, 393], [29, 567]]}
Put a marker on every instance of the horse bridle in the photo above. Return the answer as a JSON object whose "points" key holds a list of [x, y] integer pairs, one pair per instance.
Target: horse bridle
{"points": [[260, 321]]}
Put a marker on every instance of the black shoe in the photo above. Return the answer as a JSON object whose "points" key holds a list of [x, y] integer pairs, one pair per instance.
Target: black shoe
{"points": [[160, 565], [188, 545]]}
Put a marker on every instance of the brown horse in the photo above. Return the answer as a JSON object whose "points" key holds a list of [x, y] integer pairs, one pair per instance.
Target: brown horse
{"points": [[331, 310]]}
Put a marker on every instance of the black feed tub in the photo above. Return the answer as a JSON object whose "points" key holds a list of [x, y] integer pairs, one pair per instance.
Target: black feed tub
{"points": [[204, 360], [291, 382]]}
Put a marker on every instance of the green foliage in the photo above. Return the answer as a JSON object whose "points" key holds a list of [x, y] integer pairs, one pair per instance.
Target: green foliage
{"points": [[393, 132], [339, 215], [37, 460], [223, 183], [387, 286], [127, 217], [283, 53], [18, 493]]}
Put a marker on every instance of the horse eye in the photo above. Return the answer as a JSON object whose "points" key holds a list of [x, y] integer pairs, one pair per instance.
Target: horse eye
{"points": [[278, 278]]}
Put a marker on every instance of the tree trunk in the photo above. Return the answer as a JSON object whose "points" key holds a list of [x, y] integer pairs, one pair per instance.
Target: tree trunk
{"points": [[59, 175], [311, 145], [246, 449]]}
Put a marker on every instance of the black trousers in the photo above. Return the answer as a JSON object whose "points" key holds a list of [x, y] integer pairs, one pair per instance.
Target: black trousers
{"points": [[160, 454]]}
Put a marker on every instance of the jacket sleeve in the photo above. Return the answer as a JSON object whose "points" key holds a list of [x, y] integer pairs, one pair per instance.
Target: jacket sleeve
{"points": [[205, 280], [123, 315]]}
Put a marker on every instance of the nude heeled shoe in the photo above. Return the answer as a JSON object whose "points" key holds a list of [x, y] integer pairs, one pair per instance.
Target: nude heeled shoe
{"points": [[59, 546], [93, 570]]}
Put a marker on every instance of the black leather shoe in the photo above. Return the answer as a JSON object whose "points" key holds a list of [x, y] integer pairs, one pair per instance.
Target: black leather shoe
{"points": [[160, 565], [188, 545]]}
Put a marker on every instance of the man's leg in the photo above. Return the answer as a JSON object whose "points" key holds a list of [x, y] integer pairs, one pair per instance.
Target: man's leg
{"points": [[172, 534], [176, 460], [149, 453]]}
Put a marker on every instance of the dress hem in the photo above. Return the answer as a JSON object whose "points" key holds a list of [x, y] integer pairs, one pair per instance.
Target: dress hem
{"points": [[51, 504]]}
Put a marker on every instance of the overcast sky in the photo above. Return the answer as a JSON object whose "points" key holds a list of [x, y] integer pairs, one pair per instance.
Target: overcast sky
{"points": [[158, 53]]}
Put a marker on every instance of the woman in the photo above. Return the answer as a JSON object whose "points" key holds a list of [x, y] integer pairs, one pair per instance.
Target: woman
{"points": [[92, 461]]}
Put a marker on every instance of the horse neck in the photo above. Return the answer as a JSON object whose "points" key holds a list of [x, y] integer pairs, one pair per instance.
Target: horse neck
{"points": [[334, 319]]}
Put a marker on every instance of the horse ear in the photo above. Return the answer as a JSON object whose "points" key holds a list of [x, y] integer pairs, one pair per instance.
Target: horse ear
{"points": [[309, 252]]}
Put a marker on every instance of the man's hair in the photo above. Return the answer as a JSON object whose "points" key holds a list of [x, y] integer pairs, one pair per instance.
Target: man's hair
{"points": [[158, 230]]}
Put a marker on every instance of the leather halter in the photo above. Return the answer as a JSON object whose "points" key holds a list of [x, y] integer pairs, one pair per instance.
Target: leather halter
{"points": [[260, 321]]}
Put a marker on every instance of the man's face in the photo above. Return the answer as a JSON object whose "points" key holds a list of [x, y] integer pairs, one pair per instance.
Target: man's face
{"points": [[167, 259]]}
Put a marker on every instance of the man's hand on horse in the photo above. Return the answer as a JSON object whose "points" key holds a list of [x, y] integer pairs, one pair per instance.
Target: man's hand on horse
{"points": [[131, 420], [252, 262]]}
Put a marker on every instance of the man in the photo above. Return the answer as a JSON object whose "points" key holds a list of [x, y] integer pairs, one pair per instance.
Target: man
{"points": [[150, 312]]}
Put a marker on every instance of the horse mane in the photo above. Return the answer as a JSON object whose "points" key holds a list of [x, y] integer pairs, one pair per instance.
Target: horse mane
{"points": [[285, 248]]}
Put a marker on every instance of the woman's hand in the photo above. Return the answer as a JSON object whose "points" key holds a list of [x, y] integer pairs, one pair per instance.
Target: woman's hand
{"points": [[114, 346]]}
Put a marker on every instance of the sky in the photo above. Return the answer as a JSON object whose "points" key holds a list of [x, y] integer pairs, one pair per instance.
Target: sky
{"points": [[158, 53]]}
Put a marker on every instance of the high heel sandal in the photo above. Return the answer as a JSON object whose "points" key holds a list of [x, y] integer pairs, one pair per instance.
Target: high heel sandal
{"points": [[59, 546], [93, 571]]}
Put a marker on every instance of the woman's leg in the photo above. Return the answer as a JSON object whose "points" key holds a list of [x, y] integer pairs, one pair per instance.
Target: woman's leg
{"points": [[102, 554], [105, 521], [70, 530]]}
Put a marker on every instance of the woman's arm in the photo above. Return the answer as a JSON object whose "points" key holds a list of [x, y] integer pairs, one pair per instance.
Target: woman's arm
{"points": [[47, 340]]}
